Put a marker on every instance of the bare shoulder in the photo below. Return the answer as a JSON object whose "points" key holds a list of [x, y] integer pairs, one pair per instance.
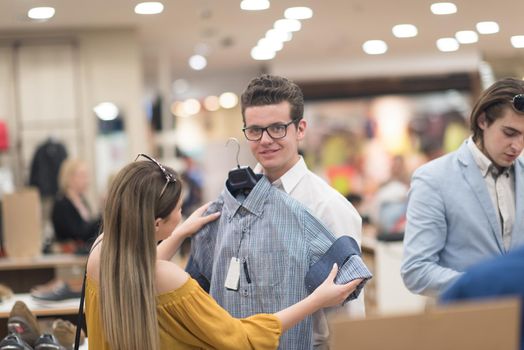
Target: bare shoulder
{"points": [[93, 262], [169, 276]]}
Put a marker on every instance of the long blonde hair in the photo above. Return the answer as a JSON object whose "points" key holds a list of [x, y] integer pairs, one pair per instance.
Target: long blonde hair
{"points": [[128, 256]]}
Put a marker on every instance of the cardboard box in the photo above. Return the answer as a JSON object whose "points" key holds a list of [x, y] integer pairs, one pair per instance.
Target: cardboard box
{"points": [[22, 223], [484, 325]]}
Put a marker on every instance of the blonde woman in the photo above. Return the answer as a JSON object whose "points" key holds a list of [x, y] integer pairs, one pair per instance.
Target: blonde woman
{"points": [[73, 221], [135, 301]]}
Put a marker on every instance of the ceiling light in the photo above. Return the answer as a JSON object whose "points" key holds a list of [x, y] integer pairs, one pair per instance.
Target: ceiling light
{"points": [[106, 111], [228, 100], [149, 8], [197, 62], [298, 13], [443, 8], [211, 103], [254, 5], [177, 108], [287, 25], [517, 41], [262, 54], [488, 27], [191, 106], [467, 36], [271, 45], [41, 12], [278, 35], [375, 47], [405, 31], [447, 44]]}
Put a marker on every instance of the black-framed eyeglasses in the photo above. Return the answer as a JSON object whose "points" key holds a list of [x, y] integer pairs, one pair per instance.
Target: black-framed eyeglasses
{"points": [[169, 177], [275, 131], [518, 102]]}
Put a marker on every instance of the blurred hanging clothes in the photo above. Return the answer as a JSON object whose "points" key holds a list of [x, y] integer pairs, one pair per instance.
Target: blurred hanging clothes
{"points": [[45, 167]]}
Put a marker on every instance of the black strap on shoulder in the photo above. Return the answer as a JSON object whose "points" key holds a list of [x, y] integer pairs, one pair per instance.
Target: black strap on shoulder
{"points": [[80, 318]]}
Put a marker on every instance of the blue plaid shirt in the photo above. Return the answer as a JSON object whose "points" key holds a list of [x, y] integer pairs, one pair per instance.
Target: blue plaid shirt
{"points": [[276, 240]]}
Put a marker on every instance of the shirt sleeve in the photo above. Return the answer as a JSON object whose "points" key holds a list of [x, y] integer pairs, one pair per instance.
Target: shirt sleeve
{"points": [[200, 266], [425, 237], [194, 318], [339, 215], [319, 241]]}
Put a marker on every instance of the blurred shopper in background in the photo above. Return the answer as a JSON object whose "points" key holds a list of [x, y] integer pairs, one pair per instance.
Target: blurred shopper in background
{"points": [[390, 201], [74, 224], [464, 207]]}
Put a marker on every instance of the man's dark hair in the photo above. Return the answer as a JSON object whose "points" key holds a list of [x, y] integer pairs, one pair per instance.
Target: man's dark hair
{"points": [[269, 90], [493, 102]]}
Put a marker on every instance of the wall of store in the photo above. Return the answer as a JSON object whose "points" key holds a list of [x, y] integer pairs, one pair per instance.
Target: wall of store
{"points": [[51, 82]]}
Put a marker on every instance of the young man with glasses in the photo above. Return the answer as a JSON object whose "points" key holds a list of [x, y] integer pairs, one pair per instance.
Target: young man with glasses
{"points": [[467, 205], [272, 111]]}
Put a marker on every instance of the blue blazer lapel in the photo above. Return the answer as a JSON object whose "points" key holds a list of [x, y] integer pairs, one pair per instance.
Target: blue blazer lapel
{"points": [[475, 180], [517, 236]]}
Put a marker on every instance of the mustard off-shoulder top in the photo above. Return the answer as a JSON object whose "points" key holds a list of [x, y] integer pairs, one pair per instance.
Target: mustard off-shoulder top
{"points": [[189, 318]]}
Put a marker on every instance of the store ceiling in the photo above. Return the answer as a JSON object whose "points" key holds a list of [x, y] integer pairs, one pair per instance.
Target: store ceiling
{"points": [[336, 31]]}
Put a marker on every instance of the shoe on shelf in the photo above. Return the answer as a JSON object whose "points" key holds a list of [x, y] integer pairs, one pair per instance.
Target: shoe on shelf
{"points": [[65, 332], [61, 291], [23, 322], [46, 287], [5, 292], [47, 342], [13, 342]]}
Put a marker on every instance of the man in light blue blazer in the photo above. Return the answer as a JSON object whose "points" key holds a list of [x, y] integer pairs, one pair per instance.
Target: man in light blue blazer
{"points": [[469, 205]]}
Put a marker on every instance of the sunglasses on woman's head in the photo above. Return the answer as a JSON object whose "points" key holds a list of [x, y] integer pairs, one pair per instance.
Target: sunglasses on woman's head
{"points": [[169, 177], [518, 102]]}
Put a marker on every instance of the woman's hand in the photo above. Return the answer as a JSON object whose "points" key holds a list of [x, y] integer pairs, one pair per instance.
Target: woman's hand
{"points": [[190, 226], [196, 221], [331, 294]]}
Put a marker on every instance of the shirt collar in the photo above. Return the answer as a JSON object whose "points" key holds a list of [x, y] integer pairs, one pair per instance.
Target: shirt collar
{"points": [[291, 178], [480, 158], [254, 202], [484, 163]]}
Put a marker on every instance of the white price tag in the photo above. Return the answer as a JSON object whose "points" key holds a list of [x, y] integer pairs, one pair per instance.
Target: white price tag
{"points": [[233, 274]]}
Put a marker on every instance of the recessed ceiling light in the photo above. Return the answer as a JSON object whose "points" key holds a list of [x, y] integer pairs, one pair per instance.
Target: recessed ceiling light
{"points": [[41, 12], [279, 35], [106, 111], [254, 5], [287, 25], [192, 106], [375, 47], [467, 36], [262, 54], [405, 31], [149, 8], [228, 100], [517, 41], [443, 8], [447, 44], [271, 45], [197, 62], [211, 103], [298, 13], [488, 27]]}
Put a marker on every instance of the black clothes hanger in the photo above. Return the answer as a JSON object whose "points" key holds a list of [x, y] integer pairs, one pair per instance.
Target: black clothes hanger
{"points": [[241, 179]]}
